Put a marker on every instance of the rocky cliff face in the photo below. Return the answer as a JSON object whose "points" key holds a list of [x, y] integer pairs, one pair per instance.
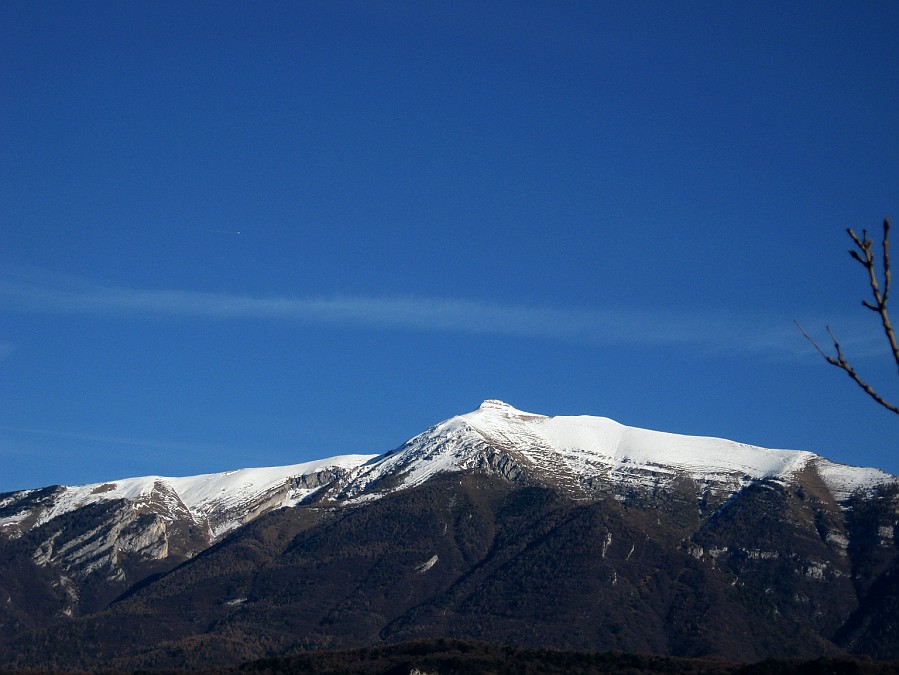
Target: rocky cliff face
{"points": [[500, 525]]}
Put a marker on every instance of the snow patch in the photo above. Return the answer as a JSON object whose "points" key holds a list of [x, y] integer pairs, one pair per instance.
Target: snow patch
{"points": [[428, 564], [843, 480], [223, 497]]}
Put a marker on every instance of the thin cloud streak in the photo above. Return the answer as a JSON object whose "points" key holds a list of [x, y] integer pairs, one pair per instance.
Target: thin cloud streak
{"points": [[128, 442], [109, 440], [718, 332]]}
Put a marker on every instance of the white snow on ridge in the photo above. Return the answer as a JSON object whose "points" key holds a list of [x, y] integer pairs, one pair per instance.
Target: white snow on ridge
{"points": [[567, 450], [421, 457], [198, 492], [575, 448], [200, 495], [604, 441], [587, 443], [843, 480]]}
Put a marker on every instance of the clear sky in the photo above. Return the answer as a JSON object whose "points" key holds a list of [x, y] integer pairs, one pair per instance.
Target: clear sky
{"points": [[249, 234]]}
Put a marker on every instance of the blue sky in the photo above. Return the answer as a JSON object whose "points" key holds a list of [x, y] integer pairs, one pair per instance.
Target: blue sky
{"points": [[248, 234]]}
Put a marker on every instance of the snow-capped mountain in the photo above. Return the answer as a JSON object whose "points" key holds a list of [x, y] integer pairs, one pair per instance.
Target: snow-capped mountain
{"points": [[464, 529], [216, 502], [581, 454], [585, 456], [584, 453]]}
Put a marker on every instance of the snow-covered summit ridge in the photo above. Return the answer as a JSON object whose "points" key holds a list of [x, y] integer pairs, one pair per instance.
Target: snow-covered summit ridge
{"points": [[197, 492], [584, 446], [582, 455], [221, 500]]}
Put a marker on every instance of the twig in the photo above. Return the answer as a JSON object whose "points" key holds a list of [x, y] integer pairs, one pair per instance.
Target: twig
{"points": [[865, 245], [841, 362], [865, 256]]}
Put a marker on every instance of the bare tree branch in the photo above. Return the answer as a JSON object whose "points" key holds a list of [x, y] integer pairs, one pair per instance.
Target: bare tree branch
{"points": [[869, 262], [840, 362], [865, 256]]}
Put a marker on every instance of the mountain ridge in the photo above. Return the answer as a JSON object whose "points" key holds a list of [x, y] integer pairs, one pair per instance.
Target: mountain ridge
{"points": [[571, 532], [571, 447]]}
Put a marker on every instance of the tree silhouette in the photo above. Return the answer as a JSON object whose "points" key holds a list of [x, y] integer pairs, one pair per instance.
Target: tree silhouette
{"points": [[864, 254]]}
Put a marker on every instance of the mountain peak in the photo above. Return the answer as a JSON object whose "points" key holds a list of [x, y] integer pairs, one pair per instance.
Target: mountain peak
{"points": [[496, 404]]}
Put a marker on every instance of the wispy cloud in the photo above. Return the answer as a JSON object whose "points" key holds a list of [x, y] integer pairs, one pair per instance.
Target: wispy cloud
{"points": [[100, 443], [712, 331], [109, 440]]}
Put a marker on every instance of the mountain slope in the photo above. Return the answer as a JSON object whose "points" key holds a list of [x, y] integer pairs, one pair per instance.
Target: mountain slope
{"points": [[577, 452], [573, 453], [571, 532]]}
